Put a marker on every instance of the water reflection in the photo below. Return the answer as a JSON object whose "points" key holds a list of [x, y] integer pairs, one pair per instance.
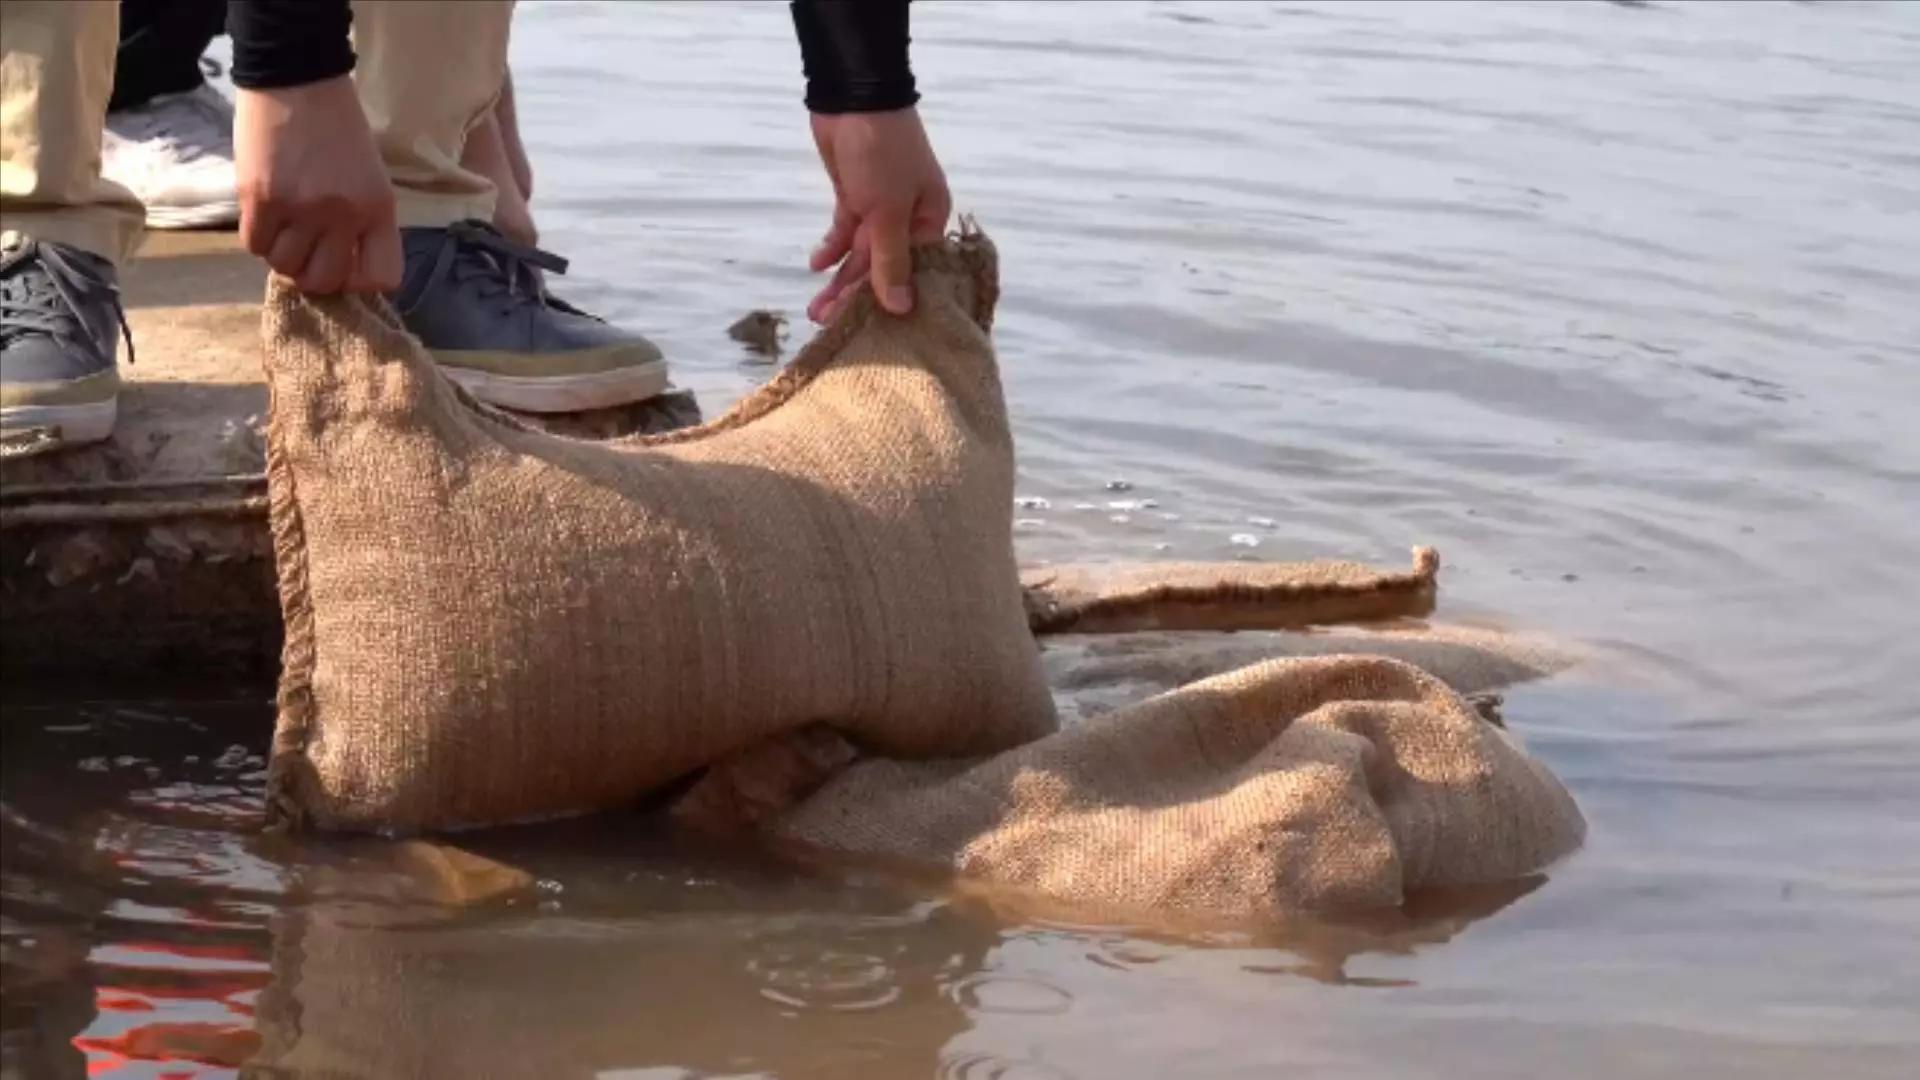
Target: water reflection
{"points": [[799, 992], [132, 928], [147, 925]]}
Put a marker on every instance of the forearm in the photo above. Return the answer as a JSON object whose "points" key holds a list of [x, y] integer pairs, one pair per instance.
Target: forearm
{"points": [[855, 54], [281, 43]]}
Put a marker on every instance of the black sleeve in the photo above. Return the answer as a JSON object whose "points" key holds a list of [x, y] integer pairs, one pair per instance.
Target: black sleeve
{"points": [[855, 54], [288, 42]]}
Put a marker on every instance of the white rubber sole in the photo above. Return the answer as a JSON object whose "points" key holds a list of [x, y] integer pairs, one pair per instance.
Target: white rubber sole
{"points": [[68, 425], [204, 216], [563, 393]]}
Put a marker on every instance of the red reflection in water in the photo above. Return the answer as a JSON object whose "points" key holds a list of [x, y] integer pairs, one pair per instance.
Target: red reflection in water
{"points": [[195, 1011], [206, 1044]]}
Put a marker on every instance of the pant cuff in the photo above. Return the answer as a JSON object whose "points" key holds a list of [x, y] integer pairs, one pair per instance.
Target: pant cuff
{"points": [[417, 209], [113, 235]]}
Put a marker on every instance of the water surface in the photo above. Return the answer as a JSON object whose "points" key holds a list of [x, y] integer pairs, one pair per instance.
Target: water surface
{"points": [[1614, 305]]}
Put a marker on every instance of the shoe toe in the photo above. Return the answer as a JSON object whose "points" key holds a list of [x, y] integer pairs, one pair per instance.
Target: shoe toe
{"points": [[565, 331]]}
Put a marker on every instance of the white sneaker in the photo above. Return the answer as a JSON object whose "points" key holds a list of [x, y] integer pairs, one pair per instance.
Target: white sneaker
{"points": [[176, 154]]}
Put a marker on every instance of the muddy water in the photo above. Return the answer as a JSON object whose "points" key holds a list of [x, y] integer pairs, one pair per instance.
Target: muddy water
{"points": [[1613, 304]]}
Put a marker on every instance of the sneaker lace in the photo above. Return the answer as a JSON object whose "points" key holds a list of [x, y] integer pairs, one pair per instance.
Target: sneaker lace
{"points": [[503, 272], [49, 302]]}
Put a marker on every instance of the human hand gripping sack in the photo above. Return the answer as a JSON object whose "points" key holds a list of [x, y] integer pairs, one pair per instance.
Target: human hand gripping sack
{"points": [[315, 201], [889, 193]]}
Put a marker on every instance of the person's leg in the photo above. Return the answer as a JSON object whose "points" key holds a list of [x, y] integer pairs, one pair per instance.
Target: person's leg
{"points": [[428, 73], [62, 227], [506, 114], [56, 73], [161, 43], [486, 153], [170, 135], [474, 297]]}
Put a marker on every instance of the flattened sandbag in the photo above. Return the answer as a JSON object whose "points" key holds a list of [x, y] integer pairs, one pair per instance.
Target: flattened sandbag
{"points": [[1111, 598], [487, 623], [1301, 785], [1095, 673]]}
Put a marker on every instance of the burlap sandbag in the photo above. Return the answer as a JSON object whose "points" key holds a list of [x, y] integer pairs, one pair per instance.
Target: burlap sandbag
{"points": [[488, 624], [1295, 785]]}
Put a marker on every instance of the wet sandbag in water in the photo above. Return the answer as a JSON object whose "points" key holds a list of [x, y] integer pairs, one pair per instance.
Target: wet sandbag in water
{"points": [[488, 624], [1296, 785]]}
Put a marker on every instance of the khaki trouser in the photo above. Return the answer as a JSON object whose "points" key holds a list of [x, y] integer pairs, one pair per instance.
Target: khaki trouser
{"points": [[427, 73]]}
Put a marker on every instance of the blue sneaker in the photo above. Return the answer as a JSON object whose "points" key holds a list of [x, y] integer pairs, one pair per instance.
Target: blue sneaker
{"points": [[478, 302], [59, 313]]}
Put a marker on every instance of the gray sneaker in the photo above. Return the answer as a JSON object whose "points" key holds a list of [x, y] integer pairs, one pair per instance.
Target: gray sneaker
{"points": [[478, 302], [59, 310]]}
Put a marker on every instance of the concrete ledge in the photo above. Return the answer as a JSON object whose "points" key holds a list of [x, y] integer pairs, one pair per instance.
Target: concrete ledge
{"points": [[150, 550]]}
